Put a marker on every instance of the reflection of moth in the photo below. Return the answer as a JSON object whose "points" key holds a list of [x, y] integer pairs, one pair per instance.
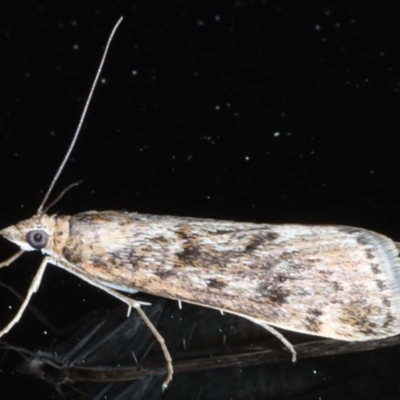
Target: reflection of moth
{"points": [[106, 354], [332, 281]]}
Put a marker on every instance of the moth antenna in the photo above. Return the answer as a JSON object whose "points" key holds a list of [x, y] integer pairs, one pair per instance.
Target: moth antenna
{"points": [[61, 195], [79, 127]]}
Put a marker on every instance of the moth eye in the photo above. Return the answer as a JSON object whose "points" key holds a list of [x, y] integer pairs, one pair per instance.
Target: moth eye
{"points": [[37, 238]]}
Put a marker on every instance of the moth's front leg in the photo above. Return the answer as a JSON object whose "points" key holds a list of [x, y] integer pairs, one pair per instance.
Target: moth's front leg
{"points": [[32, 289], [10, 260]]}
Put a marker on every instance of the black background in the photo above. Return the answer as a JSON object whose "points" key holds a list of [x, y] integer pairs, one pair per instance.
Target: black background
{"points": [[246, 110]]}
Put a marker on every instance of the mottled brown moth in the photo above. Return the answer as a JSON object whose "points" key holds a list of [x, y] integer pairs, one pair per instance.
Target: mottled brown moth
{"points": [[333, 281]]}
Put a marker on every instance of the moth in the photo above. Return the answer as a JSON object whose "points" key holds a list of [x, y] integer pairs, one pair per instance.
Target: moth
{"points": [[333, 281]]}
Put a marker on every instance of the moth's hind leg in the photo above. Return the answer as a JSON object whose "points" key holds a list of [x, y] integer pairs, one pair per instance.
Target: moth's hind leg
{"points": [[32, 289], [276, 334]]}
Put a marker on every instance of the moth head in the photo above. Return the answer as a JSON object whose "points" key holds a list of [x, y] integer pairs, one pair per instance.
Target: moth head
{"points": [[31, 234]]}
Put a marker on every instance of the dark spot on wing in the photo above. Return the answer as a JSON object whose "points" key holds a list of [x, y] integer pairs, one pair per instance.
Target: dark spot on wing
{"points": [[197, 256], [370, 254], [216, 284], [131, 254], [117, 260], [312, 323], [362, 240], [312, 320], [160, 239], [253, 243], [389, 318], [184, 232], [259, 238], [273, 293], [188, 254], [271, 236], [164, 274], [315, 312], [280, 278], [381, 285], [337, 287], [357, 315], [375, 269], [387, 302], [98, 262]]}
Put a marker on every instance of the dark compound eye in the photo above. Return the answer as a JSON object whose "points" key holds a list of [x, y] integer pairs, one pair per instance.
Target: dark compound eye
{"points": [[37, 238]]}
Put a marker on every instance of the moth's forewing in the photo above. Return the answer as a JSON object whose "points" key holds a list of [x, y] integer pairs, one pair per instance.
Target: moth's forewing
{"points": [[332, 281]]}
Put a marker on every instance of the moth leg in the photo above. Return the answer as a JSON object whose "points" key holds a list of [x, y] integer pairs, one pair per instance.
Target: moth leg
{"points": [[135, 304], [278, 335], [160, 339], [32, 289], [131, 304], [10, 260]]}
